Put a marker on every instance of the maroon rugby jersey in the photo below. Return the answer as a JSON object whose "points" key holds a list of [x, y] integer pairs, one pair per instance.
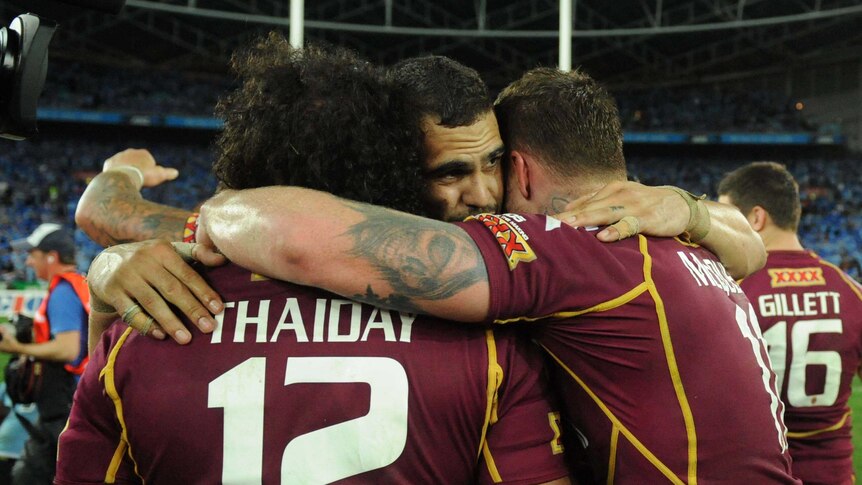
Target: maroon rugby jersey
{"points": [[301, 386], [660, 359], [810, 313]]}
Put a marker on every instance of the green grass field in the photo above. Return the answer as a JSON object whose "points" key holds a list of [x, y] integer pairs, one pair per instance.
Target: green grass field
{"points": [[856, 407]]}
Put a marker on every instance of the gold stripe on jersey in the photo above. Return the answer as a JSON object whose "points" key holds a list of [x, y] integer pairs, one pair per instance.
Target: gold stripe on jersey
{"points": [[853, 287], [601, 307], [667, 472], [612, 455], [495, 377], [107, 374], [808, 434], [686, 243], [116, 461], [670, 355]]}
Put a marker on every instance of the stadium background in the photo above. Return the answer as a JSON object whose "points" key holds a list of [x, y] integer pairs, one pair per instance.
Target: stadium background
{"points": [[702, 85]]}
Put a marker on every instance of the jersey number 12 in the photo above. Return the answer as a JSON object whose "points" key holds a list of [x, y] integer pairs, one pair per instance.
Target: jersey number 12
{"points": [[326, 455]]}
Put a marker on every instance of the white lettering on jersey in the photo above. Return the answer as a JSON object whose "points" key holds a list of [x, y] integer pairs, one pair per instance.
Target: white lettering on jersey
{"points": [[291, 319], [811, 303], [707, 272], [344, 322]]}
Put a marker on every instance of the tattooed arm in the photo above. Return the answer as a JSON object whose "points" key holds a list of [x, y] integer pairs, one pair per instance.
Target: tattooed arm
{"points": [[112, 210], [364, 252]]}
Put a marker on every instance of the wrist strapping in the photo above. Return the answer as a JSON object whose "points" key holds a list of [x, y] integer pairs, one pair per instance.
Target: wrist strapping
{"points": [[698, 219], [134, 172]]}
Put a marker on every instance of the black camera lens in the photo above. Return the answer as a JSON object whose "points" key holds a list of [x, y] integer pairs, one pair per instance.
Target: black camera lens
{"points": [[23, 66]]}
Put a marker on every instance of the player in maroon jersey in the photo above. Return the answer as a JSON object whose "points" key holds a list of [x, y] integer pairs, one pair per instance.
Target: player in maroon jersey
{"points": [[296, 385], [300, 386], [658, 353], [810, 313]]}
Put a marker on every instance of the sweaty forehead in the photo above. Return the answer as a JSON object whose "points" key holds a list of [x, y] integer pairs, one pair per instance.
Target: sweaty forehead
{"points": [[472, 143]]}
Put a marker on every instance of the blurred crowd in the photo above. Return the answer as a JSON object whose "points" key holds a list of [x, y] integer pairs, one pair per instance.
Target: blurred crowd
{"points": [[44, 180], [698, 109], [70, 85], [711, 110]]}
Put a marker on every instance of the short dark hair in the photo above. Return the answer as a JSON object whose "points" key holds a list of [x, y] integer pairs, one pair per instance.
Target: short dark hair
{"points": [[321, 118], [444, 88], [769, 185], [566, 119]]}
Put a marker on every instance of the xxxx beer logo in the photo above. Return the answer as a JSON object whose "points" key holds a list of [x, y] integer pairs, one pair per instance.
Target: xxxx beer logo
{"points": [[512, 240], [782, 277]]}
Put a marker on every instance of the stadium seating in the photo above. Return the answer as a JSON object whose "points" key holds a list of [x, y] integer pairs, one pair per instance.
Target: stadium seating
{"points": [[70, 85], [709, 110]]}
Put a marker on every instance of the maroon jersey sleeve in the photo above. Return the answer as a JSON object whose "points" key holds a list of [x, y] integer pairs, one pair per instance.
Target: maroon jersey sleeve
{"points": [[523, 445], [91, 449], [532, 275]]}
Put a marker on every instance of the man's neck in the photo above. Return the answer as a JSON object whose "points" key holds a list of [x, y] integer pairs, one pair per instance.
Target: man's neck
{"points": [[776, 239], [561, 195], [66, 268]]}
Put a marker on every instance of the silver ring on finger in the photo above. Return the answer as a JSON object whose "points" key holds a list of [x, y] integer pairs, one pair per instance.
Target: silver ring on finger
{"points": [[131, 312], [148, 325]]}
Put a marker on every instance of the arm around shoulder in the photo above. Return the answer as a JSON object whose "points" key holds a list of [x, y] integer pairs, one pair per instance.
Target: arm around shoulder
{"points": [[368, 253], [732, 239]]}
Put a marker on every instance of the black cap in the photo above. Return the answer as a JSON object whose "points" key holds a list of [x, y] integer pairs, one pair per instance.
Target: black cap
{"points": [[49, 237]]}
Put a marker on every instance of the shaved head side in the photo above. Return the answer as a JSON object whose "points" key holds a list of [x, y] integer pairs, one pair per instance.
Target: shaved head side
{"points": [[566, 119]]}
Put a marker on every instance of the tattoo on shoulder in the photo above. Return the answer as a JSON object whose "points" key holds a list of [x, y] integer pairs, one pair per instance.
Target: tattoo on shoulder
{"points": [[421, 262]]}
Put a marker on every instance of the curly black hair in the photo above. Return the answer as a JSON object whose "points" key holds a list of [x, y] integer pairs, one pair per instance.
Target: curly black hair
{"points": [[321, 118]]}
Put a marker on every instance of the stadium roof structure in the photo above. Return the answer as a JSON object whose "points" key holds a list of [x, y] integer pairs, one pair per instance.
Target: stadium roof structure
{"points": [[624, 43]]}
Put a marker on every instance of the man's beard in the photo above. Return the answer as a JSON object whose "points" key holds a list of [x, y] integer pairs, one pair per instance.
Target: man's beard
{"points": [[482, 210]]}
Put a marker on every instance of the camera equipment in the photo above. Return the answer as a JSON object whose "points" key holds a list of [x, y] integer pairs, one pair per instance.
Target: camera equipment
{"points": [[23, 66], [23, 328]]}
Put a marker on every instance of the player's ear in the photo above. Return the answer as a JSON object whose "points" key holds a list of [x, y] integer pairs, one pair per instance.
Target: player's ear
{"points": [[757, 218], [520, 169]]}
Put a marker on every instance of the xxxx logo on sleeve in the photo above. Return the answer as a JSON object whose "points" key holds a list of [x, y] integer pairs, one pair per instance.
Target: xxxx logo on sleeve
{"points": [[781, 277], [511, 238]]}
